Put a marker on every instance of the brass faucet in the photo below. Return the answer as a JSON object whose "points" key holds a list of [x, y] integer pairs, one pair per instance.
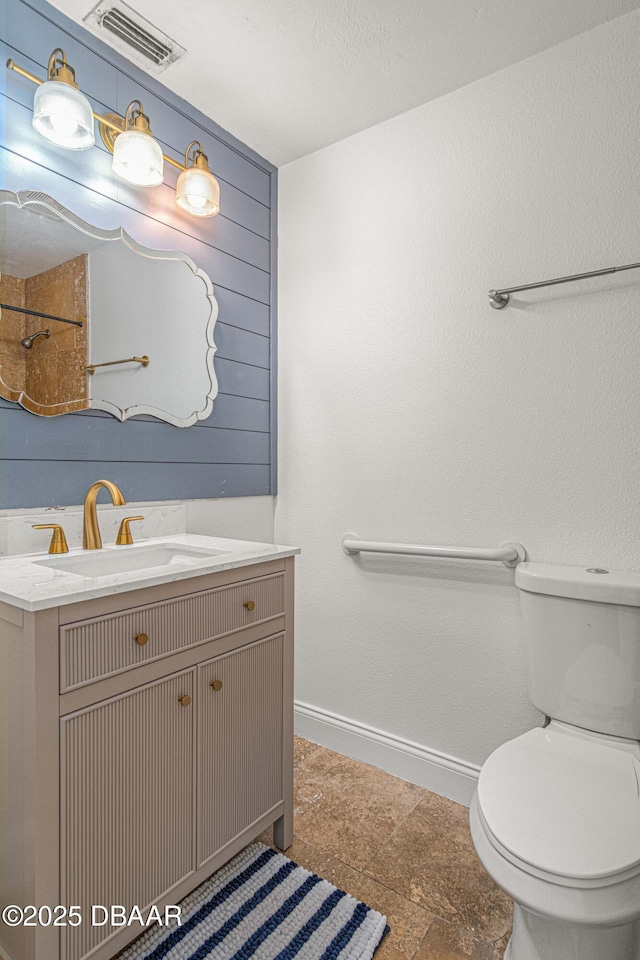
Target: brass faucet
{"points": [[91, 539]]}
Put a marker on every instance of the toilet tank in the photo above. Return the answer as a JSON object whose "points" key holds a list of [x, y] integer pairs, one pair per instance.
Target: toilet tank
{"points": [[582, 639]]}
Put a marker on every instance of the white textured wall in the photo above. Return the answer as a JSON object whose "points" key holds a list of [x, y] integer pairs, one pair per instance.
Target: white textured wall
{"points": [[412, 411], [240, 518]]}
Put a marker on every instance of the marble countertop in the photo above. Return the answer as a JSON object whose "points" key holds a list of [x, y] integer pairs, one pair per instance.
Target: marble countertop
{"points": [[27, 582]]}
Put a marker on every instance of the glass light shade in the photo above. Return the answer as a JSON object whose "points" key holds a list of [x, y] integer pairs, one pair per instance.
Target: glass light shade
{"points": [[63, 115], [198, 192], [137, 158]]}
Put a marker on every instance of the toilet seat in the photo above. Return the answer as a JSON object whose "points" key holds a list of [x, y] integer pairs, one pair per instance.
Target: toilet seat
{"points": [[601, 903], [563, 807]]}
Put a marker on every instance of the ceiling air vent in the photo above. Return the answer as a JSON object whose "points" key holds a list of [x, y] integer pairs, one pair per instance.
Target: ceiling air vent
{"points": [[142, 42]]}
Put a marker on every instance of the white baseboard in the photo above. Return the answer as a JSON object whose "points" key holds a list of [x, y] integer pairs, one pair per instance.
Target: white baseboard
{"points": [[448, 776]]}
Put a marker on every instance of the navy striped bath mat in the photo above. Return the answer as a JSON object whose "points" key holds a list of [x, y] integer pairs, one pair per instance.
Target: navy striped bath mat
{"points": [[263, 905]]}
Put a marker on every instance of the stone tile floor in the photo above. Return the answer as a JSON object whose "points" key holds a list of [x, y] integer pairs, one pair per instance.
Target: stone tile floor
{"points": [[403, 851]]}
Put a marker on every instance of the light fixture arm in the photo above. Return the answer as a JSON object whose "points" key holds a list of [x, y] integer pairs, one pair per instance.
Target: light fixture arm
{"points": [[58, 69], [199, 157], [136, 119], [187, 158]]}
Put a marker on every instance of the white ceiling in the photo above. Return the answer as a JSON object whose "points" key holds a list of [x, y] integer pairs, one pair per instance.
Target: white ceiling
{"points": [[290, 76]]}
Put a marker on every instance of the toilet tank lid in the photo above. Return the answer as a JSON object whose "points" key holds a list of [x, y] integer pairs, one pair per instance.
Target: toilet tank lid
{"points": [[559, 580]]}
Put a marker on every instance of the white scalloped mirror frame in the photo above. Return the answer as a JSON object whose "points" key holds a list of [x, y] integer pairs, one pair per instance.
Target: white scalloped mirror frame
{"points": [[141, 302]]}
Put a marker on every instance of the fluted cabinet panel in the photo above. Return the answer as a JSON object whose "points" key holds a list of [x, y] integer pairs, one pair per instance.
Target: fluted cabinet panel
{"points": [[97, 648], [127, 802], [240, 741]]}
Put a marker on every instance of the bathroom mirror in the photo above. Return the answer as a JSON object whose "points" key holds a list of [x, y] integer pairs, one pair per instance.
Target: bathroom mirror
{"points": [[90, 319]]}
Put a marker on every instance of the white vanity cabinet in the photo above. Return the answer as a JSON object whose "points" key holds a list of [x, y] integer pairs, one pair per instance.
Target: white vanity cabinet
{"points": [[147, 738]]}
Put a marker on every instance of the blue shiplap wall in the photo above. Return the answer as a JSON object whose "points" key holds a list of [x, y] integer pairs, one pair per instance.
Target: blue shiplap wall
{"points": [[54, 460]]}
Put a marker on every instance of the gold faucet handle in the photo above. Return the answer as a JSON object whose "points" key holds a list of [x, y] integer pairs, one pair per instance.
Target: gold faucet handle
{"points": [[124, 533], [58, 540]]}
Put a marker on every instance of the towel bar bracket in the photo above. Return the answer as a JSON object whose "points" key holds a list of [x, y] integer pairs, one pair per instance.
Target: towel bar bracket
{"points": [[348, 537]]}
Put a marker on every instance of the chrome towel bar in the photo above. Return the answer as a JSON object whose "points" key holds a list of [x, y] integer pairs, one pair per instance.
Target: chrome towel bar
{"points": [[510, 553], [500, 298]]}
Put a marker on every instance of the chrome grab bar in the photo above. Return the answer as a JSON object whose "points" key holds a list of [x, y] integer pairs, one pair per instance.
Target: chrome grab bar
{"points": [[511, 553]]}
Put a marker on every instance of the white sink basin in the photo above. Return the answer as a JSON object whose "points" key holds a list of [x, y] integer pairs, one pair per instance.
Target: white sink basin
{"points": [[107, 563], [38, 582]]}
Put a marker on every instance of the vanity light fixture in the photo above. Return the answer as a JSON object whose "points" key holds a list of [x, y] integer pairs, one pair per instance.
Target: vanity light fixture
{"points": [[64, 116], [61, 112], [137, 157], [197, 190]]}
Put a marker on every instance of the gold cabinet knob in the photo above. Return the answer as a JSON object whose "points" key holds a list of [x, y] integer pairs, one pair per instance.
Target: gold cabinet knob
{"points": [[142, 638], [185, 699], [249, 604], [216, 684], [58, 540]]}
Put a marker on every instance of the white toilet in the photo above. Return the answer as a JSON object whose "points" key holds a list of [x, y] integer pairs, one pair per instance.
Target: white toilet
{"points": [[556, 816]]}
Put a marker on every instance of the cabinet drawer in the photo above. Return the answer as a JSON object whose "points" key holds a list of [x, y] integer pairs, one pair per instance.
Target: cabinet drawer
{"points": [[93, 649]]}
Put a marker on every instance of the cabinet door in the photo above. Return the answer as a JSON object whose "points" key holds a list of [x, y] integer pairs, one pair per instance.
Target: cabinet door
{"points": [[127, 802], [239, 741]]}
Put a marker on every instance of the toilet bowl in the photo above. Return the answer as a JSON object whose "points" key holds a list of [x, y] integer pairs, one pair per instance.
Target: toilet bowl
{"points": [[556, 816], [556, 822]]}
